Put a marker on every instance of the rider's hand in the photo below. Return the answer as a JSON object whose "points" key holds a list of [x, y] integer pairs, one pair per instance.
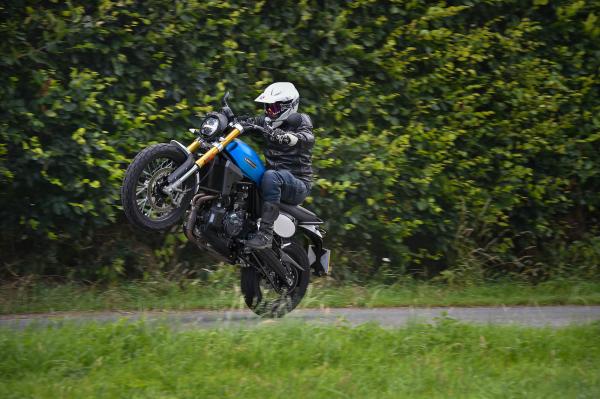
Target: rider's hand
{"points": [[280, 136], [248, 126], [252, 123], [259, 124]]}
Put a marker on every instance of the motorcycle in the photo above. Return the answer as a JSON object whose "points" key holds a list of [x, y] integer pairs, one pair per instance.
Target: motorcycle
{"points": [[213, 184]]}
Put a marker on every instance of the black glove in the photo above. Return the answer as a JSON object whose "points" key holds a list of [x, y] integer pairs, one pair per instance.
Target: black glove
{"points": [[280, 136], [251, 127], [252, 123]]}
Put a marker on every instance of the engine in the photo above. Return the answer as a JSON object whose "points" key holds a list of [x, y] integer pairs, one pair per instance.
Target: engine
{"points": [[217, 224], [233, 223], [228, 217]]}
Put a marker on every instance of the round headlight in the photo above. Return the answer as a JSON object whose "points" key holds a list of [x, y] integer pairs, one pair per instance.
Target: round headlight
{"points": [[209, 127]]}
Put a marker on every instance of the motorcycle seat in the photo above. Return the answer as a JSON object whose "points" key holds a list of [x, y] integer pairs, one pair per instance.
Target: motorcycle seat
{"points": [[303, 215]]}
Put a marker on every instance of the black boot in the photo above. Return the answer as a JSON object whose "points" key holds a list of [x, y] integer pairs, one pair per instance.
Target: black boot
{"points": [[264, 236]]}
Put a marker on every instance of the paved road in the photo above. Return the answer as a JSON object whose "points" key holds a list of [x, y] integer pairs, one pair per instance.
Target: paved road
{"points": [[555, 316]]}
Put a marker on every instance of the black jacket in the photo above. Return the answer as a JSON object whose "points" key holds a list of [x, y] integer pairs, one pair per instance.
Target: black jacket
{"points": [[295, 158]]}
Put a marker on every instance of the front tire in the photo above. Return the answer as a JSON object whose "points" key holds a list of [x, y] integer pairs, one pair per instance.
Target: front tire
{"points": [[260, 296], [145, 205]]}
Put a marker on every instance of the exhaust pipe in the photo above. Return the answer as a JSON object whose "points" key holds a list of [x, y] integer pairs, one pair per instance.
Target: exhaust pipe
{"points": [[197, 201]]}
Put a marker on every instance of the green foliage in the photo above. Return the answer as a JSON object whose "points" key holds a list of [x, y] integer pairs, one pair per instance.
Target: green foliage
{"points": [[456, 134], [299, 360]]}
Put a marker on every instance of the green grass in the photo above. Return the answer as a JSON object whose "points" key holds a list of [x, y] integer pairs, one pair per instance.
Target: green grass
{"points": [[295, 360], [40, 297]]}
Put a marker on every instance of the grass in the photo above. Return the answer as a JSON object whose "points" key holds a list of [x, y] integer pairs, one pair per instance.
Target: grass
{"points": [[295, 360], [162, 295]]}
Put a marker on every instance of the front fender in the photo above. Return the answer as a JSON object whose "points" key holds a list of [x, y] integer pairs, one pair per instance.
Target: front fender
{"points": [[182, 169], [180, 147]]}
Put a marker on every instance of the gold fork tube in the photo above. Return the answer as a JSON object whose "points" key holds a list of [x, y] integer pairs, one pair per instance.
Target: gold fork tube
{"points": [[194, 146], [210, 154]]}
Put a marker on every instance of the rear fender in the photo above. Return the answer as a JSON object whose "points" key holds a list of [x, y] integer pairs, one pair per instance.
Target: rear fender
{"points": [[318, 257]]}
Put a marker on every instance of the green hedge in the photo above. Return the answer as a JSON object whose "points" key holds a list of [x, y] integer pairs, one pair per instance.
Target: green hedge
{"points": [[456, 137]]}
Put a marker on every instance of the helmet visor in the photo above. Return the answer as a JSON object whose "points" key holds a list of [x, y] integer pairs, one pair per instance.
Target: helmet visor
{"points": [[273, 110]]}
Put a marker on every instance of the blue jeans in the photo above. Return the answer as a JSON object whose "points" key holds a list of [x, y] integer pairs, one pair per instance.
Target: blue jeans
{"points": [[282, 186]]}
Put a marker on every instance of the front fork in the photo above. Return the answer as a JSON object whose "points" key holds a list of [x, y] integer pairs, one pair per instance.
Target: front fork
{"points": [[195, 166]]}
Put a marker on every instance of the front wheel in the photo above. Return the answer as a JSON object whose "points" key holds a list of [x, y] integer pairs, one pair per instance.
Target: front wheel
{"points": [[267, 300], [144, 203]]}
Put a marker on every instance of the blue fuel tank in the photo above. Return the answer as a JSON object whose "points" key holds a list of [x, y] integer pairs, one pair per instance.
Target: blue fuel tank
{"points": [[247, 160]]}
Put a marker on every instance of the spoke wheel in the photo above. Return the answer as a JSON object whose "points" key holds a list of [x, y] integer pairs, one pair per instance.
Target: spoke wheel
{"points": [[266, 293], [145, 205], [153, 203]]}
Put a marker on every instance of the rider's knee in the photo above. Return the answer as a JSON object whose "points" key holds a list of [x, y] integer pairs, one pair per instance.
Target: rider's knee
{"points": [[271, 178], [271, 186]]}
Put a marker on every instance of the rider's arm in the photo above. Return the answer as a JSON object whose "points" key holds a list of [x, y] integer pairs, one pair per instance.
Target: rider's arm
{"points": [[253, 120], [303, 133]]}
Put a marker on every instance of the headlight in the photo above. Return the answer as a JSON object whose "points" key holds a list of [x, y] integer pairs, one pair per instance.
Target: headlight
{"points": [[213, 124], [209, 127]]}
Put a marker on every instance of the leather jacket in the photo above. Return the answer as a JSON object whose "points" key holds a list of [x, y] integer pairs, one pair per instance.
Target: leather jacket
{"points": [[294, 157]]}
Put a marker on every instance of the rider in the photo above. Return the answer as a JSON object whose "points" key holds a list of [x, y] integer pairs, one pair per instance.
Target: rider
{"points": [[288, 154]]}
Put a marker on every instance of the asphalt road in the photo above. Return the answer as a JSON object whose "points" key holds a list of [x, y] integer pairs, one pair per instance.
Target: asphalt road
{"points": [[553, 316]]}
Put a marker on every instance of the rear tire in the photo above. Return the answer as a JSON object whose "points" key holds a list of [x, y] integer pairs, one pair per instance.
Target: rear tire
{"points": [[254, 285], [145, 206]]}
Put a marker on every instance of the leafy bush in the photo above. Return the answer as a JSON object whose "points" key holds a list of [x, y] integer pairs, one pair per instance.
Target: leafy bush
{"points": [[438, 125]]}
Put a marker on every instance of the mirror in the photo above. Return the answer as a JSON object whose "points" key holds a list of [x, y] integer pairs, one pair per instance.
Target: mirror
{"points": [[227, 111], [224, 100]]}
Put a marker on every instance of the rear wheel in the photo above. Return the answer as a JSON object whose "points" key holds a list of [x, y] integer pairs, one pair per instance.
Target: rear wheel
{"points": [[275, 299], [144, 203]]}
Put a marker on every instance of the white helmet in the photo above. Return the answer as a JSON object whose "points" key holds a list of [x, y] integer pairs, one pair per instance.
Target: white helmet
{"points": [[281, 99]]}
